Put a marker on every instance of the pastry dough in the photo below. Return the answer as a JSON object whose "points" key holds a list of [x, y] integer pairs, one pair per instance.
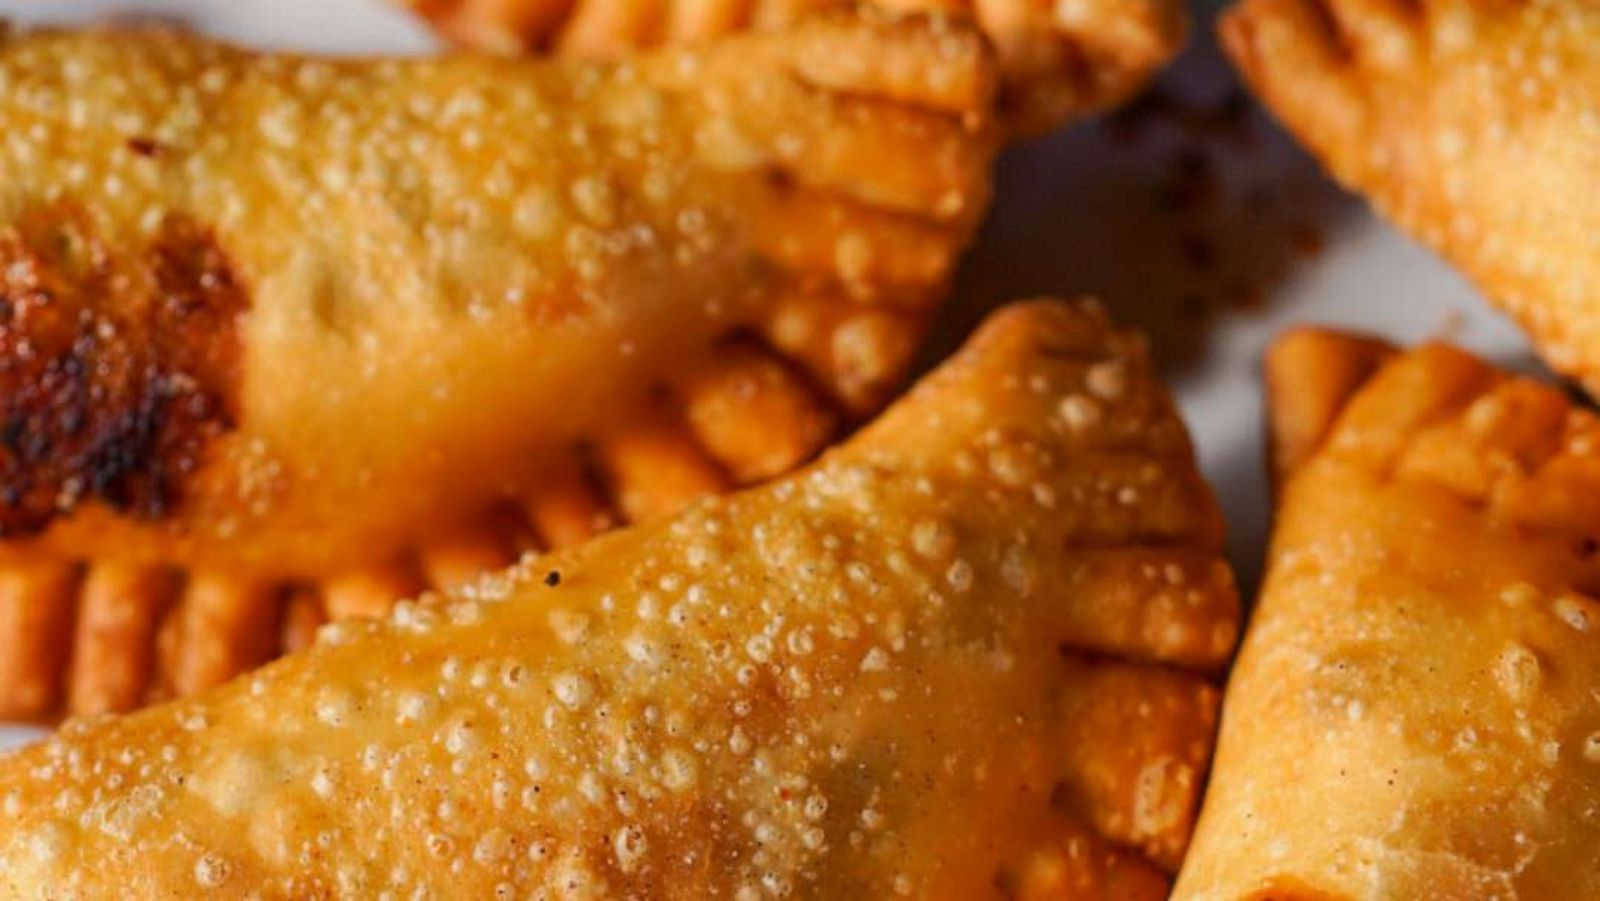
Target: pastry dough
{"points": [[1059, 60], [1416, 709], [1310, 374], [968, 655], [284, 338], [1474, 125]]}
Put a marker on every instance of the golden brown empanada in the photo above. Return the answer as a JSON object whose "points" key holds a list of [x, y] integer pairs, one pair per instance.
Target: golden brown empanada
{"points": [[1059, 60], [284, 338], [1416, 709], [968, 655], [1473, 124]]}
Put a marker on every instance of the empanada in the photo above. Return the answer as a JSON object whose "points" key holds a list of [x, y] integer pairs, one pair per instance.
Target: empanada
{"points": [[285, 338], [1473, 124], [968, 655], [1059, 60], [1416, 709]]}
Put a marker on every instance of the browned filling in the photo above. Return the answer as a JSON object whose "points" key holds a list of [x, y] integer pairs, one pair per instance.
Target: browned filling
{"points": [[116, 370]]}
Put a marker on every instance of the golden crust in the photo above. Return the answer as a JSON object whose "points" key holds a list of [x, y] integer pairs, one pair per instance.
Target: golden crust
{"points": [[1310, 374], [1473, 124], [1421, 669], [879, 676], [1058, 62], [521, 286]]}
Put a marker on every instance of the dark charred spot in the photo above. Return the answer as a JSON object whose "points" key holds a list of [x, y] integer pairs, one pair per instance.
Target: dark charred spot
{"points": [[778, 179], [146, 147], [117, 368]]}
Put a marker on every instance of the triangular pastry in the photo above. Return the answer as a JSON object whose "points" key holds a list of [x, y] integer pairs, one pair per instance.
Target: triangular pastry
{"points": [[286, 338], [1415, 712], [1472, 124], [1058, 61], [968, 655]]}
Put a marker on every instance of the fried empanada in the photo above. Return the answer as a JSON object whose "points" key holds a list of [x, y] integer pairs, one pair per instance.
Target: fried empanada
{"points": [[1472, 124], [285, 338], [1059, 60], [1416, 709], [967, 655]]}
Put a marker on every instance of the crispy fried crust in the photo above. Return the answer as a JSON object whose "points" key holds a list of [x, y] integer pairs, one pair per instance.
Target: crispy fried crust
{"points": [[1473, 124], [280, 323], [966, 656], [1310, 374], [1059, 61], [1414, 713]]}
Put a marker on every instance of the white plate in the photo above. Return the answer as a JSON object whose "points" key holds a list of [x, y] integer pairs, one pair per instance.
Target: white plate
{"points": [[1085, 211]]}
